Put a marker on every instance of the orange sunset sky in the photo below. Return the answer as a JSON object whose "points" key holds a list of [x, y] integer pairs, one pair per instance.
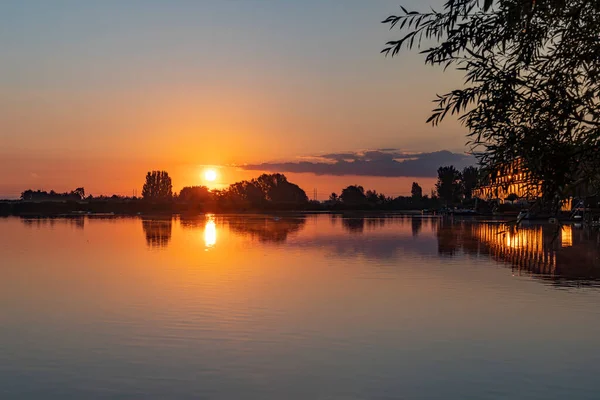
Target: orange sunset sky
{"points": [[95, 94]]}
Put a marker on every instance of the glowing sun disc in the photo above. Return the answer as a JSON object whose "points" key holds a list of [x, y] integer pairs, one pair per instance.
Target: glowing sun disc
{"points": [[210, 175]]}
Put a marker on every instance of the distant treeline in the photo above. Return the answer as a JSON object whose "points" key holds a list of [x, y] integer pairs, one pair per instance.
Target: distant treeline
{"points": [[38, 195], [268, 192]]}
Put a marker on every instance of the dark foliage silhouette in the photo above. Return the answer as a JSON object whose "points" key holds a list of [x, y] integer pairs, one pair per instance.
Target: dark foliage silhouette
{"points": [[448, 185], [354, 195], [268, 192], [195, 195], [242, 195], [416, 191], [531, 89], [375, 199], [470, 177], [39, 195], [277, 189], [158, 186]]}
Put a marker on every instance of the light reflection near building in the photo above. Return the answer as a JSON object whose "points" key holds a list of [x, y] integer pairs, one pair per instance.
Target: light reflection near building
{"points": [[566, 236], [523, 248]]}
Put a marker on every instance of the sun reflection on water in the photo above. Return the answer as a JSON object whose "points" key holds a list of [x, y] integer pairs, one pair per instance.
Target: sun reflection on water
{"points": [[210, 232]]}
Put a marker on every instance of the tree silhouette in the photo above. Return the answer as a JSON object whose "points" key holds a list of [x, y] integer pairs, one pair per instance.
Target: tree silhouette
{"points": [[244, 193], [372, 196], [531, 89], [353, 195], [277, 189], [195, 194], [470, 176], [27, 195], [157, 186], [416, 191], [333, 197], [448, 185], [39, 195], [268, 190]]}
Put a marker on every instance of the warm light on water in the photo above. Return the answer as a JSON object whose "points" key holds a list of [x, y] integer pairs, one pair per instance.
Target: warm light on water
{"points": [[296, 307], [210, 232], [566, 236]]}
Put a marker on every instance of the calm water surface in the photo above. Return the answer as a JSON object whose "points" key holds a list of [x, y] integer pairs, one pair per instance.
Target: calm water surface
{"points": [[306, 307]]}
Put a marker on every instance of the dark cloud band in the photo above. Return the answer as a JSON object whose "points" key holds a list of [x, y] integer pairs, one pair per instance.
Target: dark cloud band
{"points": [[384, 163]]}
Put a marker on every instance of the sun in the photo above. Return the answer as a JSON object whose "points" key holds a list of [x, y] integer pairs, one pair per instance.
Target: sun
{"points": [[210, 175]]}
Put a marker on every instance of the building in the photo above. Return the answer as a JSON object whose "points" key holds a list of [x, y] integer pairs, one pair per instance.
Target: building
{"points": [[510, 180]]}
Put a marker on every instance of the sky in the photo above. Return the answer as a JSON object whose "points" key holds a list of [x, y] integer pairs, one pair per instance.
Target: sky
{"points": [[95, 94]]}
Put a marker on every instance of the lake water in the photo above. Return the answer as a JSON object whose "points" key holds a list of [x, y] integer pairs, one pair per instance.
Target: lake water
{"points": [[304, 307]]}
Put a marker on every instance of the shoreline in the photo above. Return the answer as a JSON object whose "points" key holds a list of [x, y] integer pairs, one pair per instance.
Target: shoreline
{"points": [[142, 208], [285, 214]]}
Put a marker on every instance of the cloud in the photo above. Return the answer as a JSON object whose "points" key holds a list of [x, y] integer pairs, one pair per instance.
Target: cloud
{"points": [[382, 162]]}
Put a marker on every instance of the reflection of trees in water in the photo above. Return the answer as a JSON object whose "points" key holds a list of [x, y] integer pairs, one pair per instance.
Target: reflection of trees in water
{"points": [[571, 258], [264, 229], [375, 223], [447, 238], [357, 225], [334, 219], [354, 225], [193, 222], [77, 222], [158, 232], [416, 225], [267, 229]]}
